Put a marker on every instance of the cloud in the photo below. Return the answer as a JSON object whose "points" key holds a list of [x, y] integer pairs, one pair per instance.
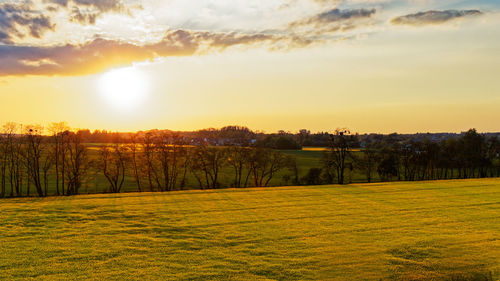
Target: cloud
{"points": [[96, 55], [334, 20], [329, 2], [87, 11], [433, 17], [84, 17], [21, 20], [100, 5], [100, 54], [337, 15]]}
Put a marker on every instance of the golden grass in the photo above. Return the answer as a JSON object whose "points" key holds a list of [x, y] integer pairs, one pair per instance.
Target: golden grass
{"points": [[388, 231]]}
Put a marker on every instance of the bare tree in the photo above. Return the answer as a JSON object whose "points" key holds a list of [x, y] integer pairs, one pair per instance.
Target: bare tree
{"points": [[265, 163], [238, 159], [112, 163], [207, 164], [76, 161], [134, 157], [3, 164], [339, 152], [172, 154], [59, 131], [47, 165], [185, 163], [12, 148], [165, 154], [32, 155], [149, 160], [367, 161]]}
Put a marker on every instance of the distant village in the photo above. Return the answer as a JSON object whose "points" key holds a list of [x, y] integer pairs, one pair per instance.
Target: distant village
{"points": [[243, 136]]}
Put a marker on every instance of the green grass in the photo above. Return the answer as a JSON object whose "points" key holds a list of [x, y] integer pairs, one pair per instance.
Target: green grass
{"points": [[388, 231], [97, 183], [307, 159]]}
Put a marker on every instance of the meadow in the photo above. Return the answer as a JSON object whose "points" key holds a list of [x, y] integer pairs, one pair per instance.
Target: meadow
{"points": [[305, 159], [436, 230], [97, 183]]}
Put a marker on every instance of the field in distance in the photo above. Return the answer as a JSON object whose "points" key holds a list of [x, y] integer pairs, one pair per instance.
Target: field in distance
{"points": [[391, 231]]}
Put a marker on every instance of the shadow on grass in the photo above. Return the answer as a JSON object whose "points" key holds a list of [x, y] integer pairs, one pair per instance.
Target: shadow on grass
{"points": [[428, 260], [472, 277]]}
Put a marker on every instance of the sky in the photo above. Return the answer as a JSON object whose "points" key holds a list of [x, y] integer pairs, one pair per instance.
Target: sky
{"points": [[374, 66]]}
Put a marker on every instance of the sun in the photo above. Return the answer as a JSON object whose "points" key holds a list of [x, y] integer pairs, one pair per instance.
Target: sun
{"points": [[124, 88]]}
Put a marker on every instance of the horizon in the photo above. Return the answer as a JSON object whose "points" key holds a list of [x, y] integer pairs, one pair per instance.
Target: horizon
{"points": [[257, 131]]}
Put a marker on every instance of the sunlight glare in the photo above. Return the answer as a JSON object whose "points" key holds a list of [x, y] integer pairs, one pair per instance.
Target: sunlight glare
{"points": [[124, 88]]}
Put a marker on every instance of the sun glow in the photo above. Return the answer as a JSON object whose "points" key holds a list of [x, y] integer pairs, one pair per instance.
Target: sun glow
{"points": [[124, 88]]}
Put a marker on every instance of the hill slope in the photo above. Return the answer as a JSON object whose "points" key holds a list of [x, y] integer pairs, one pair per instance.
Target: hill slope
{"points": [[409, 231]]}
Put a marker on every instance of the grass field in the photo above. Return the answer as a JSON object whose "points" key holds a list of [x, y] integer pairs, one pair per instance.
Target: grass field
{"points": [[389, 231]]}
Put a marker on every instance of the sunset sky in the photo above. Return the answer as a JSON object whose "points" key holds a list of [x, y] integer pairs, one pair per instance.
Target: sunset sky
{"points": [[370, 65]]}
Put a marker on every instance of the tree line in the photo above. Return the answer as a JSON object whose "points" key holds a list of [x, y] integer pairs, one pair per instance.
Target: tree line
{"points": [[59, 161], [31, 161], [471, 155]]}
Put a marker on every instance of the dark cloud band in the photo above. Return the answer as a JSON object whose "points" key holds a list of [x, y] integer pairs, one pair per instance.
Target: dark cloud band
{"points": [[334, 17], [433, 17], [20, 20]]}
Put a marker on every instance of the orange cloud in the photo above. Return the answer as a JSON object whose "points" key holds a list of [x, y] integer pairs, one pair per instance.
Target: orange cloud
{"points": [[100, 54]]}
